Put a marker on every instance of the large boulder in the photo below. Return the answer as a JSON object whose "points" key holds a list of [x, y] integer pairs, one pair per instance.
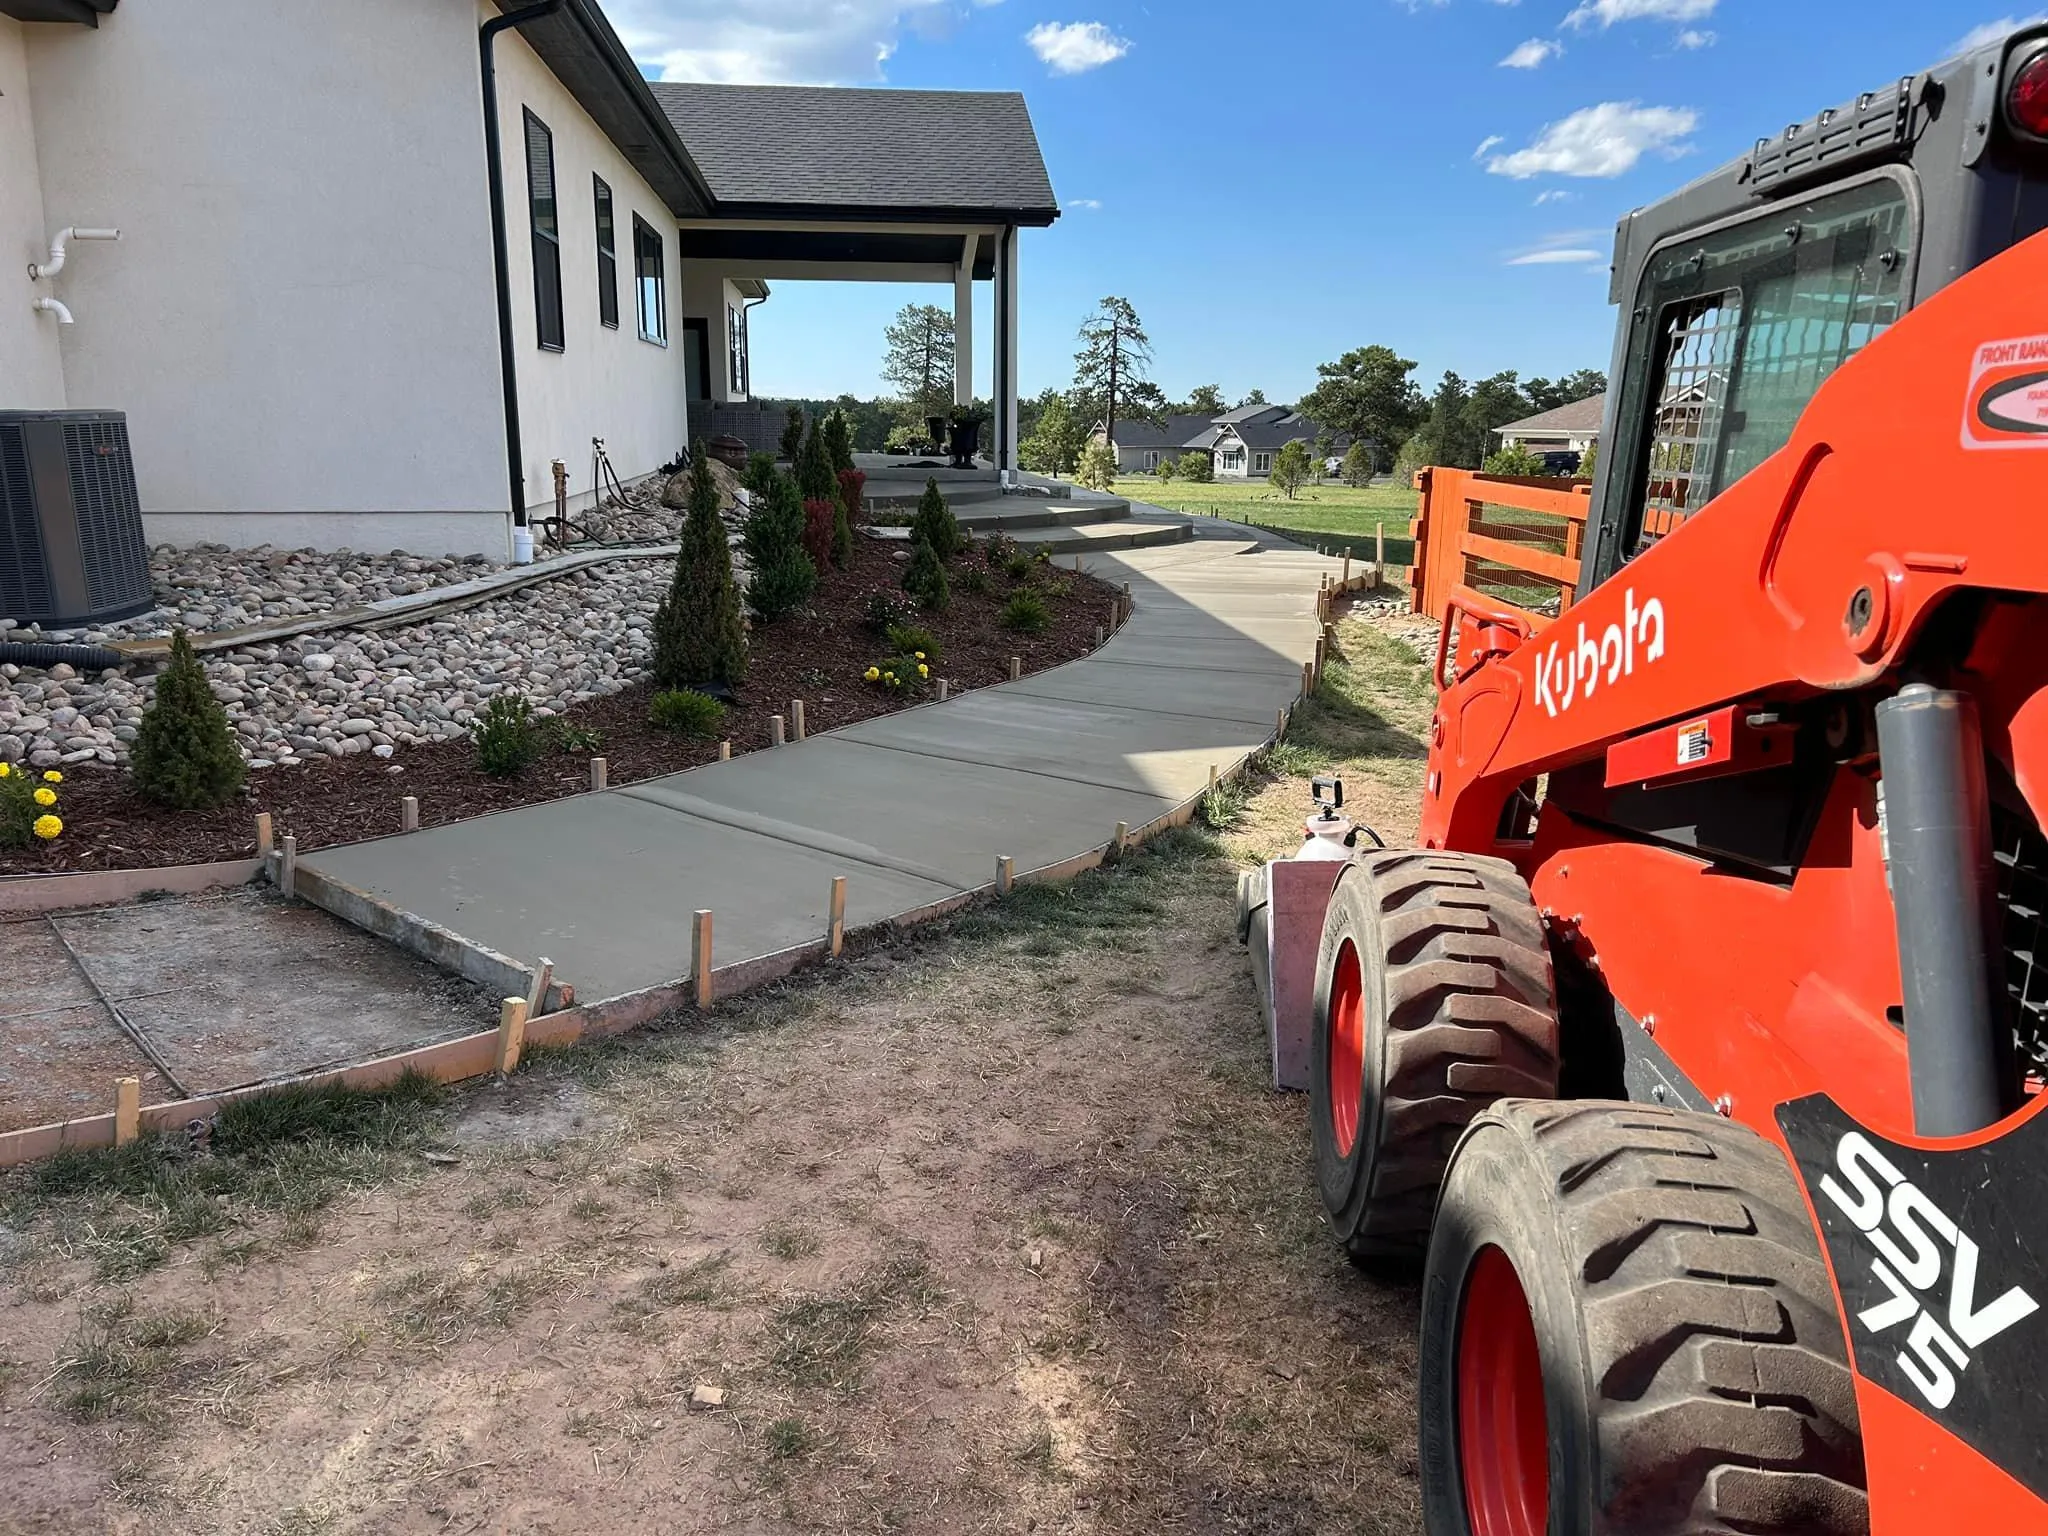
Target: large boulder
{"points": [[676, 494]]}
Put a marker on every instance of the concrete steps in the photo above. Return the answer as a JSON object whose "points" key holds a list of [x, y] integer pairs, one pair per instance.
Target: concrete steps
{"points": [[1019, 512], [1100, 538]]}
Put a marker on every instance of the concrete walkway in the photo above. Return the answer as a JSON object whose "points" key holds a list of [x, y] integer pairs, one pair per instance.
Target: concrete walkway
{"points": [[913, 808]]}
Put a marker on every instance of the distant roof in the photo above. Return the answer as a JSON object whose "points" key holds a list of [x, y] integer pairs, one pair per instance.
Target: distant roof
{"points": [[1577, 419], [785, 148], [1264, 431], [1251, 412], [1178, 432]]}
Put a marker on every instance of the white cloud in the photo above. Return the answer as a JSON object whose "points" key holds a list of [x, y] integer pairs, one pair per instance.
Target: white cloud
{"points": [[1555, 195], [1080, 204], [1556, 256], [1607, 13], [1690, 39], [1532, 53], [812, 42], [1491, 142], [1074, 47], [1992, 32], [1606, 140]]}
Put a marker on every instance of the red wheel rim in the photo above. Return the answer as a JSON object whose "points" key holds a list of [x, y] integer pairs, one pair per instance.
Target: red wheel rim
{"points": [[1503, 1437], [1347, 1048]]}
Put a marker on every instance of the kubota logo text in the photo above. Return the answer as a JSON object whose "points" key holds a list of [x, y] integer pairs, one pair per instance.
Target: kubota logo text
{"points": [[1563, 677], [1916, 1244]]}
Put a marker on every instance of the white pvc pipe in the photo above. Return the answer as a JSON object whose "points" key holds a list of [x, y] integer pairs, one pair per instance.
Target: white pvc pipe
{"points": [[55, 307], [50, 268]]}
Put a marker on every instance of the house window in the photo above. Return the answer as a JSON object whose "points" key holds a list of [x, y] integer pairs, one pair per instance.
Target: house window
{"points": [[607, 256], [653, 284], [1151, 460], [1230, 458], [547, 238], [1262, 463], [736, 344]]}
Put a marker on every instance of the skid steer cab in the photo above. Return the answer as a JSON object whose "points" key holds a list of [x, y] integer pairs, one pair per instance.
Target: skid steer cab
{"points": [[1698, 1059]]}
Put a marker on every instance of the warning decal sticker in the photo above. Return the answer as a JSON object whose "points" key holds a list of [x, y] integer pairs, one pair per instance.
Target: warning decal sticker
{"points": [[2008, 399], [1694, 743]]}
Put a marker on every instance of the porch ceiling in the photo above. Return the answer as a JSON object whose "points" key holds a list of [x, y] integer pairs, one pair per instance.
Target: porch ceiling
{"points": [[838, 247], [87, 12]]}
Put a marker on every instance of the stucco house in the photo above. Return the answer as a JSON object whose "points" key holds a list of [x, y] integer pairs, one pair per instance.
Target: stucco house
{"points": [[1569, 428], [1241, 443], [380, 265]]}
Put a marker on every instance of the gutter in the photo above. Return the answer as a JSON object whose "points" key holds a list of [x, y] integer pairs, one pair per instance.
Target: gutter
{"points": [[494, 160]]}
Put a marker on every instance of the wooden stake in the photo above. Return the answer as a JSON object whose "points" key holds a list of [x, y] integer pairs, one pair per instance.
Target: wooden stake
{"points": [[1006, 874], [127, 1110], [1321, 652], [700, 958], [1212, 778], [288, 867], [1123, 836], [835, 922], [537, 994], [600, 775], [409, 813], [1098, 635], [511, 1034], [796, 717], [1379, 555], [263, 839], [1016, 668], [1280, 725], [1347, 568], [775, 724], [725, 751], [945, 689], [1115, 605], [1308, 678]]}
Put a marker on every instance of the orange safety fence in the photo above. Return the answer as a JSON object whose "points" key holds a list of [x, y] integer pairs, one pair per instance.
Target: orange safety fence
{"points": [[1510, 538]]}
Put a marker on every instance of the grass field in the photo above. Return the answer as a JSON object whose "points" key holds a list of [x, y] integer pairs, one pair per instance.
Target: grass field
{"points": [[1334, 515]]}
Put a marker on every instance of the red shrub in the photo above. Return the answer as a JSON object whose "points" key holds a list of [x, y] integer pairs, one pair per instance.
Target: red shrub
{"points": [[819, 516], [852, 486]]}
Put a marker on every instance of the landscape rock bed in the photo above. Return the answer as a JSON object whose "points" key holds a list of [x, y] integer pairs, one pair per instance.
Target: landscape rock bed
{"points": [[339, 726]]}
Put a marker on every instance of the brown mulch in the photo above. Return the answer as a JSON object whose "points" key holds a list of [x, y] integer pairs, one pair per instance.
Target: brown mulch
{"points": [[817, 655]]}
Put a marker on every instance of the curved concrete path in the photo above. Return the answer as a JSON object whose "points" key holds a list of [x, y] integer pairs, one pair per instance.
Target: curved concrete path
{"points": [[913, 808]]}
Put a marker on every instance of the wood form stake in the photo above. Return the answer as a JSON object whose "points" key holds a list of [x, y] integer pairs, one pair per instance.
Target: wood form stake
{"points": [[1308, 678], [511, 1034], [1016, 668], [288, 867], [600, 775], [1098, 636], [775, 729], [1379, 555], [263, 838], [1123, 835], [796, 717], [1006, 874], [700, 957], [1347, 568], [1212, 778], [127, 1110], [409, 813], [835, 921], [725, 751], [945, 690], [537, 994]]}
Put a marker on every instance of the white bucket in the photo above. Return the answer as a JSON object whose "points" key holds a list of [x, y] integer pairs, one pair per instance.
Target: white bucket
{"points": [[522, 546]]}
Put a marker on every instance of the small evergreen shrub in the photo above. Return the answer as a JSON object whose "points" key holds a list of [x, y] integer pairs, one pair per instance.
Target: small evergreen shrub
{"points": [[1197, 467], [793, 433], [935, 523], [698, 634], [783, 576], [507, 736], [820, 518], [913, 640], [28, 805], [996, 549], [815, 476], [925, 578], [185, 756], [1018, 566], [1026, 613], [686, 712], [1165, 468], [852, 494], [1097, 470], [839, 441], [759, 478], [975, 580], [577, 740], [885, 612]]}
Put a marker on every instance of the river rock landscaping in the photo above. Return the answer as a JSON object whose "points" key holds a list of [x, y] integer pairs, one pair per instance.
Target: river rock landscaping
{"points": [[337, 726]]}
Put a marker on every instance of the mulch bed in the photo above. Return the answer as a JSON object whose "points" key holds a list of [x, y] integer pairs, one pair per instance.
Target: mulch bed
{"points": [[817, 655]]}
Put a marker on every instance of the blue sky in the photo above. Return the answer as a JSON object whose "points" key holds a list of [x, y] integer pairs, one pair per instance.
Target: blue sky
{"points": [[1273, 184]]}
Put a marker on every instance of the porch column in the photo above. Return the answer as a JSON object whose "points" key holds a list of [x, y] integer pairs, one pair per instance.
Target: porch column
{"points": [[1006, 329], [963, 325]]}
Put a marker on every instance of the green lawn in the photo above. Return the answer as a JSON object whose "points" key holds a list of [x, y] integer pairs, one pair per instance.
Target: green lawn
{"points": [[1335, 516]]}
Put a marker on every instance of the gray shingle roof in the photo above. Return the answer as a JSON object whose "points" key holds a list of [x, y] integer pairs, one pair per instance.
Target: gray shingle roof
{"points": [[1178, 432], [834, 148], [1581, 416]]}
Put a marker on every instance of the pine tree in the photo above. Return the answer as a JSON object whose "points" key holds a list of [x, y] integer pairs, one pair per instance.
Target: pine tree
{"points": [[935, 523], [793, 433], [698, 636], [815, 476], [852, 484], [783, 575], [925, 577], [185, 756], [839, 441]]}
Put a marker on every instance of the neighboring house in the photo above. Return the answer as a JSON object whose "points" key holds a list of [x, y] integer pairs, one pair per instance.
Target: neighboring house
{"points": [[1569, 428], [1241, 443], [328, 327]]}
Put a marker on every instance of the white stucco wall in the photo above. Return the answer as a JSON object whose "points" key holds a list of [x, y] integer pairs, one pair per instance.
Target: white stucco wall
{"points": [[31, 365], [709, 295], [299, 318], [603, 383]]}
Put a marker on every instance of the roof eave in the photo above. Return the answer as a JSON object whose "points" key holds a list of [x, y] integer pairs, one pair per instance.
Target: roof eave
{"points": [[841, 213]]}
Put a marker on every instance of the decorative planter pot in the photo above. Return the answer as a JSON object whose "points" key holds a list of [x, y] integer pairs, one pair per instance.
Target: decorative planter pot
{"points": [[935, 430], [729, 451], [966, 437]]}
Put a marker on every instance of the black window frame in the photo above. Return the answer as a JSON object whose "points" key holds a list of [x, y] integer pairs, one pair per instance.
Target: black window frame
{"points": [[546, 236], [605, 218], [647, 242]]}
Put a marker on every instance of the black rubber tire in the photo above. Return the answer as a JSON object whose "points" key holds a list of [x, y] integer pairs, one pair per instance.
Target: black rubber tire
{"points": [[1695, 1373], [1459, 1012]]}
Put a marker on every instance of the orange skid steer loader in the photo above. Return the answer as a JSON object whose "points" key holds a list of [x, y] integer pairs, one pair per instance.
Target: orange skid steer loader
{"points": [[1698, 1056]]}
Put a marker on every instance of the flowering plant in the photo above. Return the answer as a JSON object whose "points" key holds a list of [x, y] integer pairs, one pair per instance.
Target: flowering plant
{"points": [[28, 806], [905, 674]]}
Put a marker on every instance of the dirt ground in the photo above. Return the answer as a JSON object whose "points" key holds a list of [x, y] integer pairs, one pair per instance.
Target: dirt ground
{"points": [[996, 1227]]}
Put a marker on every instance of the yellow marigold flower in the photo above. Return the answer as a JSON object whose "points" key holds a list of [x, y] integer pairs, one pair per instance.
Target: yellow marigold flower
{"points": [[45, 797], [923, 670], [873, 673], [47, 827], [52, 776], [920, 655], [6, 771]]}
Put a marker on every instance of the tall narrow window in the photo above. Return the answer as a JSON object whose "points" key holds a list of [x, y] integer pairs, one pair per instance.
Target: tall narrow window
{"points": [[652, 284], [547, 237], [607, 255]]}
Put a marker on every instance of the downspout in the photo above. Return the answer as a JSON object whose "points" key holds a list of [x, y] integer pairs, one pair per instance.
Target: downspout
{"points": [[494, 160], [747, 337]]}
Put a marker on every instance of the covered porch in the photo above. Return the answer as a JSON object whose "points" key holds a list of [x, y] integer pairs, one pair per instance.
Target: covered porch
{"points": [[818, 185]]}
